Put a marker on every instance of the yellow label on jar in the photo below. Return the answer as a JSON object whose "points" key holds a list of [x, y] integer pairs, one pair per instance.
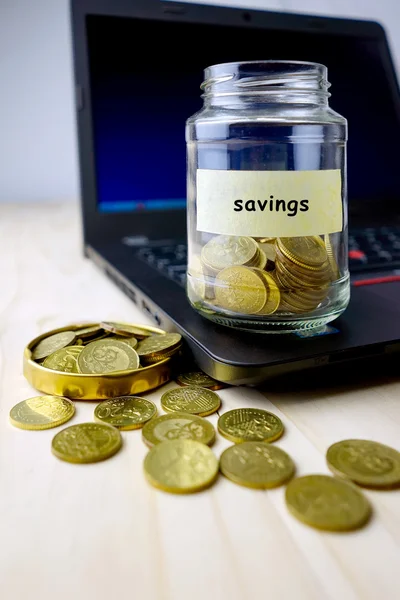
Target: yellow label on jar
{"points": [[269, 203]]}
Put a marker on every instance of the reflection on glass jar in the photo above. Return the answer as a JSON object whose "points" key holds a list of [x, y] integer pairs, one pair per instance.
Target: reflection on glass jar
{"points": [[267, 205]]}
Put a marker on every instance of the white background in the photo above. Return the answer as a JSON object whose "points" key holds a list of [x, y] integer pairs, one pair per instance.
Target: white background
{"points": [[38, 159]]}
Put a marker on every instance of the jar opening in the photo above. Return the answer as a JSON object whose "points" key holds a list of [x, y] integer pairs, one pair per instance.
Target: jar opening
{"points": [[267, 81]]}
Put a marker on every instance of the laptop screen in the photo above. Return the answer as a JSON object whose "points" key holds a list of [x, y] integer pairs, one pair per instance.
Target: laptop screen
{"points": [[145, 77]]}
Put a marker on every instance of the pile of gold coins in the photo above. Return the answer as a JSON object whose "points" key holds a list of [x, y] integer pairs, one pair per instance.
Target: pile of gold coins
{"points": [[263, 276], [104, 348], [180, 459], [100, 360]]}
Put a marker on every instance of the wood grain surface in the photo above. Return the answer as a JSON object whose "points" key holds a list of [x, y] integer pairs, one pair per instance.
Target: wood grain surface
{"points": [[100, 531]]}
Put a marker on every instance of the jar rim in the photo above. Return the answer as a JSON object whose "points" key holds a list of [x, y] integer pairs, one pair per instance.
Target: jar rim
{"points": [[267, 62]]}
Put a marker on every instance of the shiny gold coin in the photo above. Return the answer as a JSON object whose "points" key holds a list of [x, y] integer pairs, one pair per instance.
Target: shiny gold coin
{"points": [[131, 341], [250, 425], [86, 443], [310, 251], [52, 343], [331, 258], [159, 345], [107, 356], [181, 466], [191, 399], [199, 379], [178, 426], [367, 463], [125, 412], [125, 329], [327, 503], [89, 332], [256, 465], [241, 290], [227, 251], [75, 350], [42, 412], [64, 360], [273, 295]]}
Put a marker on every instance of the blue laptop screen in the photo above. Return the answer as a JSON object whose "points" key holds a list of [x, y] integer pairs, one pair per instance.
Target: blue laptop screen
{"points": [[145, 78]]}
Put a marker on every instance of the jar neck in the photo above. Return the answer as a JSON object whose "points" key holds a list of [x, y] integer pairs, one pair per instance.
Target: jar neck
{"points": [[265, 82]]}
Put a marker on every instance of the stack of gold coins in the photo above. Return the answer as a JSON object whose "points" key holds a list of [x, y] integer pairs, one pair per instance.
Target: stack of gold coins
{"points": [[261, 276], [303, 272]]}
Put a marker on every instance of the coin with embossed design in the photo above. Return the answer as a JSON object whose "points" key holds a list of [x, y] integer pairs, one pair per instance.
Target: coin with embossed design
{"points": [[327, 503], [199, 379], [178, 426], [250, 425], [365, 462], [86, 443], [125, 412], [131, 341], [228, 250], [256, 465], [191, 399], [52, 343], [241, 290], [42, 412], [181, 466], [106, 356], [64, 360]]}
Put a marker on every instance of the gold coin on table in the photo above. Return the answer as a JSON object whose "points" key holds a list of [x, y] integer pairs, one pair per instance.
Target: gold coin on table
{"points": [[256, 465], [309, 251], [125, 329], [86, 443], [191, 399], [327, 503], [178, 426], [107, 356], [52, 343], [365, 462], [156, 345], [199, 379], [250, 425], [241, 290], [181, 466], [42, 412], [125, 412], [64, 360], [273, 295], [228, 250], [88, 332]]}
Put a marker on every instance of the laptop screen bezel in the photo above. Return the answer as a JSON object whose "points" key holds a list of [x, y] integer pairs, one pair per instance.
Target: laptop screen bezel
{"points": [[99, 226]]}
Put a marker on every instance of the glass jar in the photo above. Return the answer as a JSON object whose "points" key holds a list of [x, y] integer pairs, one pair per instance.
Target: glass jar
{"points": [[267, 198]]}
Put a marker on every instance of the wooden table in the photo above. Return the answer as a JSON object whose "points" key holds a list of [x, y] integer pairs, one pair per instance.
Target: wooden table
{"points": [[100, 531]]}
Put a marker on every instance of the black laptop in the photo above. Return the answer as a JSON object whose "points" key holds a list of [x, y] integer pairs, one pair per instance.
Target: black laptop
{"points": [[138, 69]]}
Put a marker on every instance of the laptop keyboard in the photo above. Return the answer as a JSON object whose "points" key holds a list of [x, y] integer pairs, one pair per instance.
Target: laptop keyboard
{"points": [[371, 248], [374, 248]]}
